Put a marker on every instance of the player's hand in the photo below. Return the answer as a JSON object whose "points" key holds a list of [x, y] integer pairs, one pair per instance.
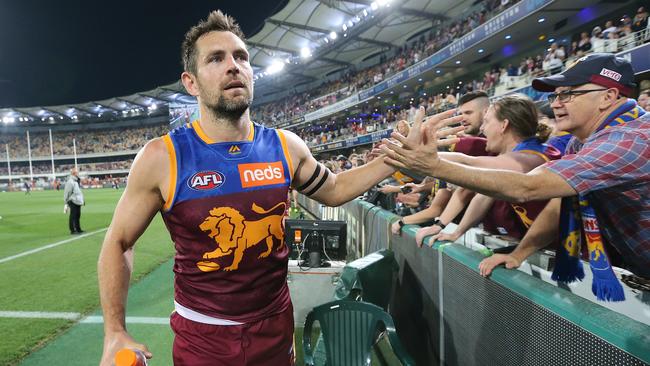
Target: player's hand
{"points": [[426, 231], [116, 341], [419, 151], [487, 265]]}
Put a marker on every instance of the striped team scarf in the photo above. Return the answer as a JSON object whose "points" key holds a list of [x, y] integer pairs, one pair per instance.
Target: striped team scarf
{"points": [[578, 222]]}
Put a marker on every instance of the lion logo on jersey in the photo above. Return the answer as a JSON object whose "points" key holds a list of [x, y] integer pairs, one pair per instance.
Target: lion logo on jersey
{"points": [[232, 232]]}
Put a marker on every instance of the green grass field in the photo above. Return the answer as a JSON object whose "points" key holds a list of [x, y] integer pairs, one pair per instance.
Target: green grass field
{"points": [[63, 279], [46, 274]]}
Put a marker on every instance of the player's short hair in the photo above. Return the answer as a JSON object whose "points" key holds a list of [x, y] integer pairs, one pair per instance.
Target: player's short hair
{"points": [[216, 22], [468, 97]]}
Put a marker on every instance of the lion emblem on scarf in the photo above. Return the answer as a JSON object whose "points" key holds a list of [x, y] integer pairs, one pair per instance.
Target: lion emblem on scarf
{"points": [[234, 234]]}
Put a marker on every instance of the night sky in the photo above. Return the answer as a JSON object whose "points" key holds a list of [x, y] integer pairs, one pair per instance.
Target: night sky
{"points": [[72, 51]]}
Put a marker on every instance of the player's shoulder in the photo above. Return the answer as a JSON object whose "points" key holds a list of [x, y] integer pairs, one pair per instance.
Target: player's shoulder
{"points": [[154, 154], [155, 147]]}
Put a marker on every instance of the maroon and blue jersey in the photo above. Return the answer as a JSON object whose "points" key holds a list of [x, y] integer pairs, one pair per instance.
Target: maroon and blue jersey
{"points": [[514, 219], [225, 211]]}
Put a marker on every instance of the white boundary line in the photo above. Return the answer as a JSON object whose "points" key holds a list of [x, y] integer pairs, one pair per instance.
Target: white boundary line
{"points": [[48, 246], [95, 319], [92, 319], [39, 315]]}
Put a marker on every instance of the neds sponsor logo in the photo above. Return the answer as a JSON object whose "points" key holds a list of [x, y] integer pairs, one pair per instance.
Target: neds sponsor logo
{"points": [[261, 174]]}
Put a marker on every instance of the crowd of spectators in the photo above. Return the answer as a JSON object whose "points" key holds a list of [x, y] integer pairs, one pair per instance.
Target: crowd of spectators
{"points": [[87, 142], [330, 92], [620, 35], [42, 168]]}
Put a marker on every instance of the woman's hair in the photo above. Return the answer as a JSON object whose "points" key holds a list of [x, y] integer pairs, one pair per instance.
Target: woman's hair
{"points": [[521, 113]]}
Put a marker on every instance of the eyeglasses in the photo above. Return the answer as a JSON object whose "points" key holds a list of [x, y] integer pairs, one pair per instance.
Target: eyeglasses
{"points": [[565, 96]]}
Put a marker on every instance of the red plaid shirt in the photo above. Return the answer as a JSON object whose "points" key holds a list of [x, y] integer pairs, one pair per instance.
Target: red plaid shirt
{"points": [[612, 169]]}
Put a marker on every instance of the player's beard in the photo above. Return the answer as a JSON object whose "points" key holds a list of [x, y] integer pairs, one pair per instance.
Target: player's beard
{"points": [[232, 109], [228, 109]]}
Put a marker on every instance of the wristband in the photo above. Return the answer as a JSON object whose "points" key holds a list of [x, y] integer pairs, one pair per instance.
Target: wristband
{"points": [[437, 221]]}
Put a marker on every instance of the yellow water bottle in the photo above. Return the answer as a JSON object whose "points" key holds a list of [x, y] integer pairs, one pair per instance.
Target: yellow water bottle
{"points": [[130, 357]]}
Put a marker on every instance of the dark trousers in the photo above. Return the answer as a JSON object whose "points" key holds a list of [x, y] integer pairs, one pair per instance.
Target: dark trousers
{"points": [[75, 214]]}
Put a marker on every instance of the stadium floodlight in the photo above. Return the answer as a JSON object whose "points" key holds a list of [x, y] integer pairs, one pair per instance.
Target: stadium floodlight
{"points": [[365, 12], [275, 67], [383, 2], [345, 27], [333, 35], [305, 52], [374, 5]]}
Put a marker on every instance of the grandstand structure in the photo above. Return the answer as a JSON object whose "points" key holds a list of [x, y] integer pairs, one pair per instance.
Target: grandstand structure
{"points": [[338, 73]]}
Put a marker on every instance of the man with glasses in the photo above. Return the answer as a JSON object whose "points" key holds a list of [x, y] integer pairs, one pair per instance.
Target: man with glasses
{"points": [[602, 184]]}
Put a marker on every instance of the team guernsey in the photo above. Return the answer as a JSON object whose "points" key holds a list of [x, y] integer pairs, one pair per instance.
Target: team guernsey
{"points": [[225, 215], [514, 219]]}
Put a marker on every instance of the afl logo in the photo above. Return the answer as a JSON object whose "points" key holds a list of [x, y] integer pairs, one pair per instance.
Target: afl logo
{"points": [[204, 181]]}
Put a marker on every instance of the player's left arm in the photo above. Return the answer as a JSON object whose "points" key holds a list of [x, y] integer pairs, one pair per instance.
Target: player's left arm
{"points": [[314, 180]]}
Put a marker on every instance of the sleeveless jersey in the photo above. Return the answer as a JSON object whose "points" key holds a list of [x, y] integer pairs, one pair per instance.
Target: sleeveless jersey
{"points": [[514, 219], [225, 213]]}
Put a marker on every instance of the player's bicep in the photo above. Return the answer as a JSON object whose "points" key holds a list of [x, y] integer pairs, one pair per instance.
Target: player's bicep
{"points": [[311, 178]]}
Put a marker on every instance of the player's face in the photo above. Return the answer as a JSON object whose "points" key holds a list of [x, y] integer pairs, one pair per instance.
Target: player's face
{"points": [[224, 74], [472, 116], [492, 128]]}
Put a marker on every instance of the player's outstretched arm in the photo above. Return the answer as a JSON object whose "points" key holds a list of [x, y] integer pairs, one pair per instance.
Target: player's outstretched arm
{"points": [[139, 203], [314, 180]]}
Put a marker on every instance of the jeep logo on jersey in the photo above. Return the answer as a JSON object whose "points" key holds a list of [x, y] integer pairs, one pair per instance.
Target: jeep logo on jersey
{"points": [[204, 181], [261, 174]]}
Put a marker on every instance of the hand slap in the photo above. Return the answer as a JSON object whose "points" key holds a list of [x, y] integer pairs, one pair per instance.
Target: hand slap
{"points": [[419, 151]]}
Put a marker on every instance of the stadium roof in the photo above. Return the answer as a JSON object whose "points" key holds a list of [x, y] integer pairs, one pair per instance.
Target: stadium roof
{"points": [[318, 37], [370, 27], [362, 28]]}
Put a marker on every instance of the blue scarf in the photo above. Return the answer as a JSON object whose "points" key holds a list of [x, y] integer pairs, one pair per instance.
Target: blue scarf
{"points": [[578, 222]]}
